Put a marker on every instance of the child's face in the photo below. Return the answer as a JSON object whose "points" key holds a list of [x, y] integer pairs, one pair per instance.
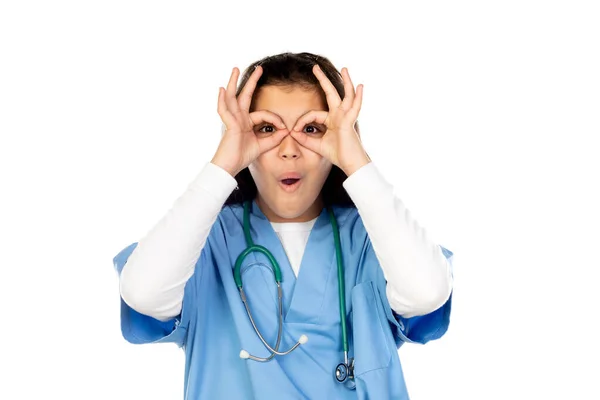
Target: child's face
{"points": [[301, 201]]}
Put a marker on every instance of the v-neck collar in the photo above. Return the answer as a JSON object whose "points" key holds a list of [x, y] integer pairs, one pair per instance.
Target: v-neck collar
{"points": [[315, 267]]}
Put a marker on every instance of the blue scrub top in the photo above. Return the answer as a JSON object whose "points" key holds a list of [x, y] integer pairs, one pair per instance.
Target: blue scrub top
{"points": [[213, 326]]}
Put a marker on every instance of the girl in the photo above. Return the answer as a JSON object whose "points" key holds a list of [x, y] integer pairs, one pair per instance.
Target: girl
{"points": [[288, 269]]}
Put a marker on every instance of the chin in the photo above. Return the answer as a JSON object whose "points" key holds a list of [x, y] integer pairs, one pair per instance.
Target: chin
{"points": [[288, 208]]}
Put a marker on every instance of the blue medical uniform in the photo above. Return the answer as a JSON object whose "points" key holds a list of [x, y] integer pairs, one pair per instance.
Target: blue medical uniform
{"points": [[213, 326]]}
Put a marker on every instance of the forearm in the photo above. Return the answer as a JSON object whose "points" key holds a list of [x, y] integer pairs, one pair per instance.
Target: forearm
{"points": [[419, 278], [154, 277]]}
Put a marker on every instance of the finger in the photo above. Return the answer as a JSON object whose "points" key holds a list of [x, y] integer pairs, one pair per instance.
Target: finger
{"points": [[311, 143], [353, 112], [332, 96], [348, 90], [245, 97], [230, 99], [269, 142], [222, 110], [319, 117], [258, 117]]}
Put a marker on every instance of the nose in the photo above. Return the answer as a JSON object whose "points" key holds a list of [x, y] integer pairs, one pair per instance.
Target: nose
{"points": [[289, 148]]}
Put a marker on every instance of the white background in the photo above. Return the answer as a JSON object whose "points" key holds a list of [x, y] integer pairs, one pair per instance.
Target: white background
{"points": [[484, 116]]}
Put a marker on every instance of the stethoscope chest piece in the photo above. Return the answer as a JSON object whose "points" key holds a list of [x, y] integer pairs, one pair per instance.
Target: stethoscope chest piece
{"points": [[344, 371]]}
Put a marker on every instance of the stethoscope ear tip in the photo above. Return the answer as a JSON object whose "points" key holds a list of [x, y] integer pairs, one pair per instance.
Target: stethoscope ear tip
{"points": [[303, 339], [244, 354]]}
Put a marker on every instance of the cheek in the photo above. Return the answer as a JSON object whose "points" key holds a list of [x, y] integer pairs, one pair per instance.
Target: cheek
{"points": [[324, 165], [321, 166], [325, 173], [259, 169]]}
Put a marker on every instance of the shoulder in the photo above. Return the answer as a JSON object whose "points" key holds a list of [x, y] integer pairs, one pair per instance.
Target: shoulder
{"points": [[231, 211], [351, 227], [348, 219], [229, 220]]}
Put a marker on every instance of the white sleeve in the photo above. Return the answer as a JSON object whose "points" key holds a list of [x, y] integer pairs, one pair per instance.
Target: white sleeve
{"points": [[419, 277], [153, 280]]}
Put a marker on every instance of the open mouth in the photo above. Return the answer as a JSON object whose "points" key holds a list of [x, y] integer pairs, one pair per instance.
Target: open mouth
{"points": [[289, 181], [290, 185]]}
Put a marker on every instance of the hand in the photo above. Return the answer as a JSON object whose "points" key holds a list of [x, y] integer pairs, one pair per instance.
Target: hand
{"points": [[240, 145], [340, 143]]}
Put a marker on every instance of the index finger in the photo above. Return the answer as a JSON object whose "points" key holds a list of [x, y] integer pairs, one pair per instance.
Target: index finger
{"points": [[333, 98], [245, 97]]}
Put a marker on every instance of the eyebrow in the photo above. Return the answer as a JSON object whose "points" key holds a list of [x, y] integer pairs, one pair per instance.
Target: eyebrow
{"points": [[301, 115]]}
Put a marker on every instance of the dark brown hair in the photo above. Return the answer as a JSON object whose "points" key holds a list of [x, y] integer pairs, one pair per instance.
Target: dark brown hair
{"points": [[294, 69]]}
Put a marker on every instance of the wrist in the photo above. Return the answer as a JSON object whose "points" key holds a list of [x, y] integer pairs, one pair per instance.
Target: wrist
{"points": [[356, 164], [231, 170]]}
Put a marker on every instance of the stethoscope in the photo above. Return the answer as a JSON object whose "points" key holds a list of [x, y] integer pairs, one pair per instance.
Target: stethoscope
{"points": [[345, 369]]}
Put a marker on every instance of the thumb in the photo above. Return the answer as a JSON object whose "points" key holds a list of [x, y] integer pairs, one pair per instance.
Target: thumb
{"points": [[310, 143]]}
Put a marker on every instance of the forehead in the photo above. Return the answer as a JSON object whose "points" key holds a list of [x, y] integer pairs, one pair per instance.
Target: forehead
{"points": [[288, 100]]}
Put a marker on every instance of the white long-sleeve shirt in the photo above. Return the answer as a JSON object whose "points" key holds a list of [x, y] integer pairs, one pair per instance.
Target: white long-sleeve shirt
{"points": [[419, 278]]}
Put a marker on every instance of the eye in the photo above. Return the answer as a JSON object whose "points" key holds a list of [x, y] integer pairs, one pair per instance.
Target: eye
{"points": [[313, 130], [266, 128]]}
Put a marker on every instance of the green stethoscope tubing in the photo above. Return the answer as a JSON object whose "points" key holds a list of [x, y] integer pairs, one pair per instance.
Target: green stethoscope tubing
{"points": [[277, 274]]}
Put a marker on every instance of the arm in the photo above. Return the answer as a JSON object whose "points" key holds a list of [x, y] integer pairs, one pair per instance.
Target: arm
{"points": [[152, 281], [418, 275]]}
